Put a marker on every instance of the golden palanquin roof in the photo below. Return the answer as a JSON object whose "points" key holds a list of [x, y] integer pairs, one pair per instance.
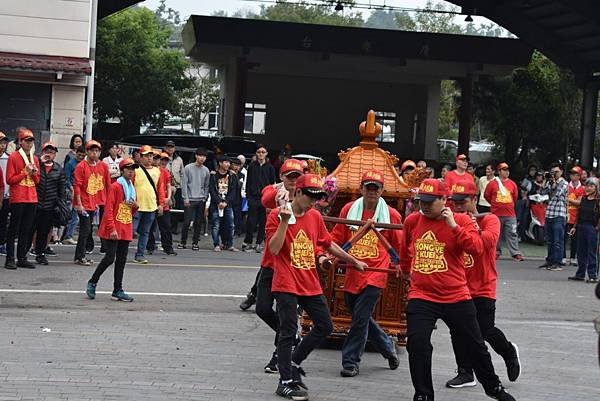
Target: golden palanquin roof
{"points": [[366, 156]]}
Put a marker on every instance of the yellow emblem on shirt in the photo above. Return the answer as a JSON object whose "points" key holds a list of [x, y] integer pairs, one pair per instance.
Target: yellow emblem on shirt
{"points": [[468, 260], [95, 184], [27, 181], [124, 213], [366, 247], [429, 255], [302, 252], [506, 198]]}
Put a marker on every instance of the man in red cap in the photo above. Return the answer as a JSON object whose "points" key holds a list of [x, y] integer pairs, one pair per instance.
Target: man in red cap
{"points": [[459, 173], [51, 191], [481, 278], [22, 174], [433, 247], [575, 191], [362, 290], [502, 193], [91, 181], [272, 196], [116, 231], [294, 232]]}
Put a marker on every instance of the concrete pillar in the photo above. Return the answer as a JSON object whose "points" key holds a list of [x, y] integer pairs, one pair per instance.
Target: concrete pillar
{"points": [[239, 106], [465, 114], [588, 124], [233, 97]]}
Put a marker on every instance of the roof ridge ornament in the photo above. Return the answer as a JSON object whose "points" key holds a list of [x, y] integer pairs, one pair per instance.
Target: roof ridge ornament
{"points": [[369, 130]]}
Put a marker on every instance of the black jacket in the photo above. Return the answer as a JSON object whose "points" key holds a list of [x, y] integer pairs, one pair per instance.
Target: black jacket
{"points": [[51, 187], [258, 178], [232, 190]]}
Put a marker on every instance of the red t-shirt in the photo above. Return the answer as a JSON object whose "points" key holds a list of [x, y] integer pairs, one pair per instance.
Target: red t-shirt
{"points": [[117, 215], [163, 183], [295, 265], [481, 270], [503, 205], [434, 253], [91, 183], [452, 177], [367, 249], [22, 187], [573, 194], [268, 201]]}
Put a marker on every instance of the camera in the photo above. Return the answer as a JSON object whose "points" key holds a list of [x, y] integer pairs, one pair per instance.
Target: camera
{"points": [[548, 175]]}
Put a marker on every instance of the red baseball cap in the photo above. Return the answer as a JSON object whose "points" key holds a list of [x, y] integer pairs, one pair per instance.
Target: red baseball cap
{"points": [[577, 170], [49, 144], [164, 155], [91, 144], [432, 189], [128, 162], [462, 156], [310, 182], [25, 134], [291, 166], [372, 177], [502, 166], [145, 149], [408, 164], [463, 189]]}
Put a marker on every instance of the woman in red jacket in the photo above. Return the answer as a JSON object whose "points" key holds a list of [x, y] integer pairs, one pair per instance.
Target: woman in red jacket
{"points": [[116, 230]]}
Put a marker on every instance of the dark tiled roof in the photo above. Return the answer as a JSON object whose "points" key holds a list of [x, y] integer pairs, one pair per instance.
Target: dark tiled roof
{"points": [[32, 62]]}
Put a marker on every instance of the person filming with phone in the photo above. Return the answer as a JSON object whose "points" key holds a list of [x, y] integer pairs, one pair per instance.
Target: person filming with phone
{"points": [[556, 217]]}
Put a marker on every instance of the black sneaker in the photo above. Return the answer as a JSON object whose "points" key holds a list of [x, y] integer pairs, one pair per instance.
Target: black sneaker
{"points": [[421, 397], [25, 264], [181, 246], [10, 264], [49, 252], [554, 268], [171, 252], [464, 378], [545, 265], [248, 302], [271, 367], [297, 373], [349, 372], [513, 364], [591, 280], [41, 260], [575, 278], [500, 394], [195, 247], [292, 391], [393, 362]]}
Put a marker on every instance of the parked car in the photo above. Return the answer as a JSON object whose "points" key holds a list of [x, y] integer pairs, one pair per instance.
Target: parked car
{"points": [[233, 146]]}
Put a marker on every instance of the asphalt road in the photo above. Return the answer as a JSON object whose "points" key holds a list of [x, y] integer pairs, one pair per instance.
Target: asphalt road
{"points": [[184, 336]]}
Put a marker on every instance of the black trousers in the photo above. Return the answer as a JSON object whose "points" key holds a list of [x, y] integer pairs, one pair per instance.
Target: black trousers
{"points": [[43, 225], [22, 217], [116, 252], [194, 212], [166, 237], [90, 242], [573, 250], [257, 218], [486, 318], [85, 234], [316, 307], [4, 220], [460, 317], [265, 300]]}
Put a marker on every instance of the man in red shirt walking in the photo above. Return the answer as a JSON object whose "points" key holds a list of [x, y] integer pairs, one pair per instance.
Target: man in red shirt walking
{"points": [[22, 174], [481, 278], [294, 232], [433, 247], [116, 231], [502, 193], [459, 173], [575, 191], [362, 290]]}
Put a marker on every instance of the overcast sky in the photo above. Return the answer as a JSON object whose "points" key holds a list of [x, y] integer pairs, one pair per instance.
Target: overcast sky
{"points": [[207, 7]]}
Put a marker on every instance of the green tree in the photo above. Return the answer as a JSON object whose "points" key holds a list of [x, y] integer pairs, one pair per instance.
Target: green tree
{"points": [[138, 78], [201, 98], [382, 19], [308, 13]]}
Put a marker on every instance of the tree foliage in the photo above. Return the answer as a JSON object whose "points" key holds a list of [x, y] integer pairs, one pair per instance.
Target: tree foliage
{"points": [[138, 78], [201, 98]]}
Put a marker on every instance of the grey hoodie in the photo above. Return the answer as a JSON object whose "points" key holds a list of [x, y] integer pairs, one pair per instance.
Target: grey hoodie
{"points": [[194, 184]]}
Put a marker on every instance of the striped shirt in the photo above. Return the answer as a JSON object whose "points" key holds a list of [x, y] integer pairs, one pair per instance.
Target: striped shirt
{"points": [[557, 205]]}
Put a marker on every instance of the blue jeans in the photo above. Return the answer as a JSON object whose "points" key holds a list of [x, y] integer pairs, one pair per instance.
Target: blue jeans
{"points": [[587, 249], [364, 327], [146, 220], [70, 230], [554, 233], [227, 229]]}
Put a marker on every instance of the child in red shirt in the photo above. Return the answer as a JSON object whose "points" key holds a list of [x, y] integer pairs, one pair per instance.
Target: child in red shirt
{"points": [[481, 278], [362, 290], [293, 234], [433, 247], [116, 230], [22, 174]]}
